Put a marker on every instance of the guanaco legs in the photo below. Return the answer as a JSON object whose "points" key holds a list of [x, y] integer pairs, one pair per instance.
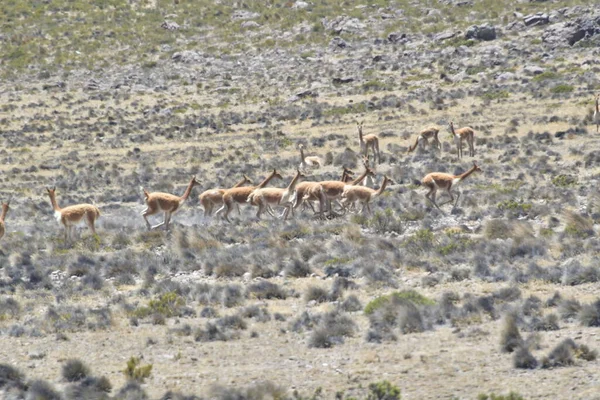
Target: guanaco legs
{"points": [[424, 136], [265, 197], [2, 218], [597, 113], [364, 195], [240, 195], [334, 189], [307, 192], [70, 216], [309, 162], [214, 197], [461, 135], [368, 142], [440, 181], [169, 203]]}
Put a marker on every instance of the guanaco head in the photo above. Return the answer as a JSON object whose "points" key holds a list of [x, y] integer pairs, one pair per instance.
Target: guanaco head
{"points": [[300, 174], [451, 129], [194, 182], [277, 174], [246, 179], [52, 191], [359, 126], [389, 180], [476, 167]]}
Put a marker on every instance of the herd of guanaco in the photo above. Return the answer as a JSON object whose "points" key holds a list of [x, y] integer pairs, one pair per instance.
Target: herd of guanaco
{"points": [[347, 192]]}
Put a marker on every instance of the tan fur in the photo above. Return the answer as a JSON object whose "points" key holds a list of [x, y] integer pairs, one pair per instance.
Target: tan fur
{"points": [[461, 135], [441, 181], [310, 161], [214, 197], [334, 189], [597, 113], [240, 195], [286, 197], [2, 218], [368, 142], [425, 136], [166, 202], [307, 192], [364, 195], [70, 216]]}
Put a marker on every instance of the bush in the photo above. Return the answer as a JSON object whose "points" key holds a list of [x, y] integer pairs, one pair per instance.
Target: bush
{"points": [[266, 290], [383, 391], [317, 294], [589, 315], [510, 339], [561, 355], [524, 359], [136, 372], [42, 390], [74, 370], [352, 303], [10, 377], [510, 396], [410, 295], [131, 391]]}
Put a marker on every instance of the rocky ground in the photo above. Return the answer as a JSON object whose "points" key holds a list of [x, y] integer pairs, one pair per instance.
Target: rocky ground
{"points": [[497, 295]]}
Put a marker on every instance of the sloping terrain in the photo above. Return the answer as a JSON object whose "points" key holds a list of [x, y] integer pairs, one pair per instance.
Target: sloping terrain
{"points": [[496, 295]]}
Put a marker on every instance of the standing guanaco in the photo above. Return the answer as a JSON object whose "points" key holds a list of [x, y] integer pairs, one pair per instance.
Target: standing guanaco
{"points": [[70, 216], [2, 218], [368, 142], [463, 134]]}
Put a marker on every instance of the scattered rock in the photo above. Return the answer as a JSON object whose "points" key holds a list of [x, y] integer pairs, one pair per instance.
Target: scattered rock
{"points": [[533, 70], [536, 19], [299, 5], [338, 42], [339, 81], [250, 24], [344, 24], [187, 56], [444, 36], [571, 32], [396, 37], [481, 32], [36, 355], [505, 76], [170, 25], [243, 14]]}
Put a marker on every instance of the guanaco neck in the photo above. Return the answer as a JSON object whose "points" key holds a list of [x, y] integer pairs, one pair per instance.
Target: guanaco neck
{"points": [[452, 129], [383, 186], [597, 104], [464, 175], [240, 183], [53, 201], [301, 154], [360, 178], [412, 148], [294, 182], [4, 212], [267, 179], [360, 135], [187, 191]]}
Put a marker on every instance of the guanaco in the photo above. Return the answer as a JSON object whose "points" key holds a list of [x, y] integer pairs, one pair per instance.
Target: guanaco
{"points": [[2, 218], [275, 196], [240, 195], [362, 194], [463, 134], [310, 161], [424, 136], [70, 216], [368, 142], [169, 203], [334, 189], [597, 113], [214, 197], [441, 181]]}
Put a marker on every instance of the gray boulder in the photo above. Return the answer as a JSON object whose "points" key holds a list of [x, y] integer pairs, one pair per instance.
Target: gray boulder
{"points": [[570, 32], [481, 32], [536, 19]]}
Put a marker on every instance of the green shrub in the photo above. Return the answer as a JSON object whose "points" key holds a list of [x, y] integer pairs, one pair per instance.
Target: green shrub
{"points": [[410, 295], [563, 88], [135, 372], [383, 391], [167, 305]]}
